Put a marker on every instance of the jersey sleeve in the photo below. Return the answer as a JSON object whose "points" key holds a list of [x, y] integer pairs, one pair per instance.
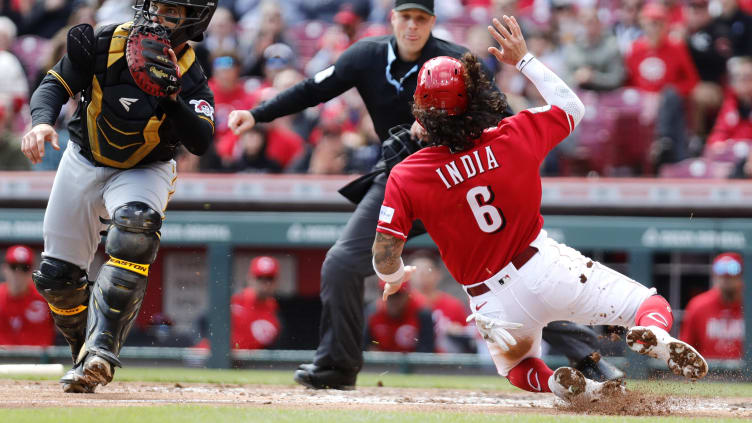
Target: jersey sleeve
{"points": [[541, 128], [193, 114], [193, 118], [395, 216]]}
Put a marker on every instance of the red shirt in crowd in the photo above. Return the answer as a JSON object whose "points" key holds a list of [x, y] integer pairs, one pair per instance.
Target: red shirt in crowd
{"points": [[746, 6], [488, 196], [730, 124], [25, 320], [255, 324], [446, 310], [715, 328], [224, 103], [282, 145], [401, 334], [653, 68]]}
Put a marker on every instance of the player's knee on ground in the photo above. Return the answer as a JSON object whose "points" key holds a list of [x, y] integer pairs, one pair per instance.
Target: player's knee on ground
{"points": [[132, 243], [655, 311], [531, 374], [65, 287]]}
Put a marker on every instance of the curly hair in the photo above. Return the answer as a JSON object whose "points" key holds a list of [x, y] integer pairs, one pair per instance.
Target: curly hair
{"points": [[486, 106]]}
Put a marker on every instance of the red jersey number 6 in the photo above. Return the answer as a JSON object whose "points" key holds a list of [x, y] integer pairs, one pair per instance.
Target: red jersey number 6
{"points": [[490, 219]]}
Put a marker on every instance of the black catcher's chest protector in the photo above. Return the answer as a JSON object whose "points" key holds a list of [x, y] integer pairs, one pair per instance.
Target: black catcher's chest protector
{"points": [[123, 124]]}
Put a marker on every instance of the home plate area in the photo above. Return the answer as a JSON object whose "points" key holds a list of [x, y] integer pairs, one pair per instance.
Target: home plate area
{"points": [[28, 394]]}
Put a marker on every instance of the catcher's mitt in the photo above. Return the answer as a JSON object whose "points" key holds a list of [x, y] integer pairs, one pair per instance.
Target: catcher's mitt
{"points": [[149, 62], [398, 146]]}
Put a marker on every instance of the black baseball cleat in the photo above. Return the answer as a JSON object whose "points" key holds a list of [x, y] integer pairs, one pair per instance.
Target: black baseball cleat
{"points": [[599, 371], [315, 377], [74, 381], [309, 367], [97, 370]]}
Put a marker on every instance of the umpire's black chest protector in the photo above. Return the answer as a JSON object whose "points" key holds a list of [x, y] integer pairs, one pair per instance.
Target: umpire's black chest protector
{"points": [[124, 125]]}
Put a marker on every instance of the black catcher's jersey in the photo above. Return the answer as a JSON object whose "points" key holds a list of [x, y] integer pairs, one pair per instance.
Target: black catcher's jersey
{"points": [[116, 124]]}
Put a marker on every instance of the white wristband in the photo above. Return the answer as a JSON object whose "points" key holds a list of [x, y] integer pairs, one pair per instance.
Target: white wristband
{"points": [[527, 58], [392, 277]]}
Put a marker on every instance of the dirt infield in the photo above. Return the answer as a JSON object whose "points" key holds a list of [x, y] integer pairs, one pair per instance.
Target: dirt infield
{"points": [[31, 394]]}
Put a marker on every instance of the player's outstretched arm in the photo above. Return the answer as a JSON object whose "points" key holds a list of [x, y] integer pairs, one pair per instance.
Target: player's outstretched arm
{"points": [[32, 143], [514, 52], [388, 264]]}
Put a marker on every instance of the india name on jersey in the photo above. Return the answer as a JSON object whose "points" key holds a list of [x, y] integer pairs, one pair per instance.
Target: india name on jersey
{"points": [[481, 206]]}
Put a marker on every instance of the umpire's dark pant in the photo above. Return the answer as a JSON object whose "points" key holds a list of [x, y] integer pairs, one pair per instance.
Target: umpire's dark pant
{"points": [[348, 263]]}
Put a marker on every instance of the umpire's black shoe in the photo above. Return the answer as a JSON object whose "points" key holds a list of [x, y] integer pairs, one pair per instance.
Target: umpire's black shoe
{"points": [[309, 367], [315, 377], [599, 371]]}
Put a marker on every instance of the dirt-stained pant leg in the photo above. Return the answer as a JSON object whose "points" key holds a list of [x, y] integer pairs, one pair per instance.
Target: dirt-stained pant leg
{"points": [[347, 263], [575, 288]]}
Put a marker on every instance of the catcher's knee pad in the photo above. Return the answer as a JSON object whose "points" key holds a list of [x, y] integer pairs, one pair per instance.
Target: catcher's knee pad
{"points": [[133, 237], [132, 243], [66, 289]]}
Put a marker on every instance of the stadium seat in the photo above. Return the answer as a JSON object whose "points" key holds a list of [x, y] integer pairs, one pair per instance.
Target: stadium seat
{"points": [[612, 134]]}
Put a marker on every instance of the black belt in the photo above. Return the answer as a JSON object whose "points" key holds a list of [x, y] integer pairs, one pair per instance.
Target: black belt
{"points": [[517, 261]]}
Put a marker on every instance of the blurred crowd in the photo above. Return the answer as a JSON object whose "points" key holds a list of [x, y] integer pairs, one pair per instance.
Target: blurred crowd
{"points": [[420, 317], [667, 83]]}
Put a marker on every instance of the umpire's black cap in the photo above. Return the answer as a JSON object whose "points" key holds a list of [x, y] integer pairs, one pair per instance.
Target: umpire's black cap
{"points": [[424, 5]]}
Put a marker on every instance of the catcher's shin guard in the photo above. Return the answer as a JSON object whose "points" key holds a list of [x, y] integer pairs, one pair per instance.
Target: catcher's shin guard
{"points": [[118, 292], [66, 289]]}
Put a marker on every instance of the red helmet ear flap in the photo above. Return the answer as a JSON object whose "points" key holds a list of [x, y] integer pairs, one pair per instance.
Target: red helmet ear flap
{"points": [[441, 86]]}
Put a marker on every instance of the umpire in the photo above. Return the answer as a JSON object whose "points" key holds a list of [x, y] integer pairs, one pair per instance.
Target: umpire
{"points": [[384, 70]]}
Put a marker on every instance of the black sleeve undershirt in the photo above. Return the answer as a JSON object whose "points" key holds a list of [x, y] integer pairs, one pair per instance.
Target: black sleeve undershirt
{"points": [[195, 133]]}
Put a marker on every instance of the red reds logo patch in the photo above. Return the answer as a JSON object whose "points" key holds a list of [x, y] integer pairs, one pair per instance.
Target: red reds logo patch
{"points": [[203, 107]]}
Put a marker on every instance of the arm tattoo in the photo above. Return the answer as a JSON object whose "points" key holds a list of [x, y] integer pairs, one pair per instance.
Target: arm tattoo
{"points": [[387, 250]]}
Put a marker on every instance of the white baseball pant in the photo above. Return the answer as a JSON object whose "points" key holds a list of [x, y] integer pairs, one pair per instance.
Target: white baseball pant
{"points": [[557, 283]]}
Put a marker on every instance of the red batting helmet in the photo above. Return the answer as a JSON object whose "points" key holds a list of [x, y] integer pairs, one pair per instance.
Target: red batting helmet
{"points": [[441, 85]]}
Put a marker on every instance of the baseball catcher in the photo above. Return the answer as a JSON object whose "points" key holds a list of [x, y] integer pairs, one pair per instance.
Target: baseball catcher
{"points": [[481, 171], [142, 95]]}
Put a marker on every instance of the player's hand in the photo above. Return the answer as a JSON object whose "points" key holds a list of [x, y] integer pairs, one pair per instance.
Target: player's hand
{"points": [[494, 330], [513, 47], [391, 288], [32, 144], [418, 132], [240, 121]]}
